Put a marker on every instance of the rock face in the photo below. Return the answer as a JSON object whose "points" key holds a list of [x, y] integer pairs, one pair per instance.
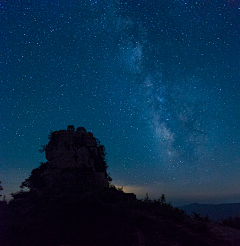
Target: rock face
{"points": [[74, 156], [74, 149]]}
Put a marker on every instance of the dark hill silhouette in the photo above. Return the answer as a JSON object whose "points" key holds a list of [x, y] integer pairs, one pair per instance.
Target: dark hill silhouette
{"points": [[68, 201], [213, 211], [98, 219]]}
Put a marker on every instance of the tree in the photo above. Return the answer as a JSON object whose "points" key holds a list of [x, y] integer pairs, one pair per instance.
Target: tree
{"points": [[36, 180], [1, 188], [163, 199]]}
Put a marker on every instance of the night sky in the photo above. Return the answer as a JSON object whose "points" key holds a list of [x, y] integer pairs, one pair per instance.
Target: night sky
{"points": [[157, 82]]}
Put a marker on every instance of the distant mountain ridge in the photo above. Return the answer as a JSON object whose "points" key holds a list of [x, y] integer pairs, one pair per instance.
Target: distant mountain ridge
{"points": [[213, 211]]}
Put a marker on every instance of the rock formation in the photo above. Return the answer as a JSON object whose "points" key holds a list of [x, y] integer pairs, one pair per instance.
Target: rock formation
{"points": [[74, 158]]}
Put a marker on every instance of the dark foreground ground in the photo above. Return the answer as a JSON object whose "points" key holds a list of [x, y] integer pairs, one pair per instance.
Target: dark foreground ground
{"points": [[90, 222]]}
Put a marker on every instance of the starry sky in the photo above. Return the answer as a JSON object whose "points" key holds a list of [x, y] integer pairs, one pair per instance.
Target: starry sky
{"points": [[157, 82]]}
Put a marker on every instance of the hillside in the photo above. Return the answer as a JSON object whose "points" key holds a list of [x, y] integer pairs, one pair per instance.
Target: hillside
{"points": [[103, 219], [214, 212]]}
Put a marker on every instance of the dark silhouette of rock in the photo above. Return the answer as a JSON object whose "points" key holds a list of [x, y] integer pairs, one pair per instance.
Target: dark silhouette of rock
{"points": [[74, 159]]}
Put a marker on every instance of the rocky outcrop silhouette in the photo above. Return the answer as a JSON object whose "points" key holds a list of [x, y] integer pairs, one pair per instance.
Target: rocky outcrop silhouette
{"points": [[78, 149], [74, 159]]}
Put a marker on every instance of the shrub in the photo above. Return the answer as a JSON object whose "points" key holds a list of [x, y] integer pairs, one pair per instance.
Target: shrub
{"points": [[232, 222]]}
